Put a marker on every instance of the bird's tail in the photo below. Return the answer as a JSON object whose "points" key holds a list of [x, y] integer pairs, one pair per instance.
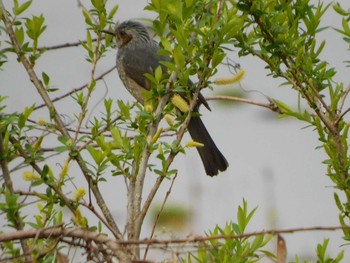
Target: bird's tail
{"points": [[213, 160]]}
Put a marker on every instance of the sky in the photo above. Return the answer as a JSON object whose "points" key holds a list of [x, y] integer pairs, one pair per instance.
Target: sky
{"points": [[274, 163]]}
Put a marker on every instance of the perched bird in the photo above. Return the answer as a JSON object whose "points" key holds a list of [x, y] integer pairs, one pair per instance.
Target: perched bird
{"points": [[137, 55]]}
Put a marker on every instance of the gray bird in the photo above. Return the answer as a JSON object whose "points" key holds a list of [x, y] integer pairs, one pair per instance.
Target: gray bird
{"points": [[137, 55]]}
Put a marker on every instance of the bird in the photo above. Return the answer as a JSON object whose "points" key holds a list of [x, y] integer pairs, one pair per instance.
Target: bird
{"points": [[137, 55]]}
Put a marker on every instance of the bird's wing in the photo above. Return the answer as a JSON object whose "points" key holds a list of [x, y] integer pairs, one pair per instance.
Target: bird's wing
{"points": [[139, 61], [142, 60]]}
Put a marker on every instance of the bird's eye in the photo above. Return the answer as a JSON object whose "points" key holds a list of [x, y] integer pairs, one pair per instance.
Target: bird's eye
{"points": [[122, 33]]}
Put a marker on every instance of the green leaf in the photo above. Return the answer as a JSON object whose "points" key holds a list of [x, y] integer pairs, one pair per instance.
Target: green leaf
{"points": [[87, 17], [179, 57], [117, 137], [96, 154], [35, 27], [46, 79], [19, 33], [158, 74], [19, 9], [113, 12]]}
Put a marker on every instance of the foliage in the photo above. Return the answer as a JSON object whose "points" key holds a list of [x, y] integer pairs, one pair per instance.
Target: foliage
{"points": [[128, 140], [244, 249]]}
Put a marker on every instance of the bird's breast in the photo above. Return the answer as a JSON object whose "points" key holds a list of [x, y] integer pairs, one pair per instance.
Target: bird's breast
{"points": [[135, 89]]}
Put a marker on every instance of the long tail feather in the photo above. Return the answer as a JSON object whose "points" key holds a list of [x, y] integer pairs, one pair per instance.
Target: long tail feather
{"points": [[213, 160]]}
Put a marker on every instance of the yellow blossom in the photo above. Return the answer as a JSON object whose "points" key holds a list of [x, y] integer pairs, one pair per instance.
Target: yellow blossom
{"points": [[30, 176], [148, 107], [40, 206], [194, 144], [180, 103], [79, 219], [42, 122], [156, 136], [230, 80], [79, 193], [64, 171], [169, 119]]}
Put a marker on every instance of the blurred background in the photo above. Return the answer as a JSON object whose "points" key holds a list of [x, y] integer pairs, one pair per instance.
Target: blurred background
{"points": [[274, 163]]}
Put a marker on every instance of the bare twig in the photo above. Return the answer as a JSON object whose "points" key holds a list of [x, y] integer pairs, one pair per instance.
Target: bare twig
{"points": [[160, 211], [271, 105], [76, 89], [65, 45], [85, 234]]}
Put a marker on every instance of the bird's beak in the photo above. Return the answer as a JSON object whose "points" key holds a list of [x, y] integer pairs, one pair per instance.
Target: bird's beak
{"points": [[108, 32]]}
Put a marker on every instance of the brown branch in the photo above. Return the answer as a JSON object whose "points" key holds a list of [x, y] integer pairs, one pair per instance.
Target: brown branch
{"points": [[98, 238], [76, 89], [58, 121], [8, 183], [271, 105], [135, 215], [65, 45], [160, 211]]}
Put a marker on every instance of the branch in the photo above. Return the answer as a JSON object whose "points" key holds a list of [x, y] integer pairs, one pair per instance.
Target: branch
{"points": [[271, 105], [76, 89], [59, 232], [66, 45], [134, 220], [8, 183], [58, 121], [160, 211], [98, 238]]}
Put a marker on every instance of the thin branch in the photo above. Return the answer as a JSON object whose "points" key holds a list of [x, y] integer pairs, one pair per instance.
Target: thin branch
{"points": [[59, 123], [76, 89], [342, 102], [135, 187], [271, 105], [8, 183], [53, 186], [160, 211], [66, 45], [98, 238]]}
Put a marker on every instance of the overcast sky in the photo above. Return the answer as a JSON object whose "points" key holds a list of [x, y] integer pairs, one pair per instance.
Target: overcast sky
{"points": [[273, 162]]}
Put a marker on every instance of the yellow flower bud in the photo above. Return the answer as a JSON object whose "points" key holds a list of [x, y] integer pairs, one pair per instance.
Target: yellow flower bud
{"points": [[79, 193], [194, 144], [169, 119], [180, 103], [40, 206], [148, 107], [231, 80], [156, 136], [64, 171], [69, 142], [30, 176], [41, 121], [79, 219]]}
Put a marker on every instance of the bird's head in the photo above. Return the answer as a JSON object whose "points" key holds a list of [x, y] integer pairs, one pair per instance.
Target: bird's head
{"points": [[129, 32]]}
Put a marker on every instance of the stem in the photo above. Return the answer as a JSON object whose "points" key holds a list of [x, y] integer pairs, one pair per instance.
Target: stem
{"points": [[59, 124], [19, 225]]}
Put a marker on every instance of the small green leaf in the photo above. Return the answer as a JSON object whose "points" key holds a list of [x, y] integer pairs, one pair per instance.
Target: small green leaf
{"points": [[46, 79], [17, 10], [158, 74], [87, 17], [179, 57], [96, 154], [117, 136], [19, 33], [113, 12]]}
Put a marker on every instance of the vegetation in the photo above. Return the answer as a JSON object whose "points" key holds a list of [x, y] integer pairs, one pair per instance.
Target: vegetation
{"points": [[128, 141]]}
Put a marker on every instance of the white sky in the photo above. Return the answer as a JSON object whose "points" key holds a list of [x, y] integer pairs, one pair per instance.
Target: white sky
{"points": [[273, 162]]}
